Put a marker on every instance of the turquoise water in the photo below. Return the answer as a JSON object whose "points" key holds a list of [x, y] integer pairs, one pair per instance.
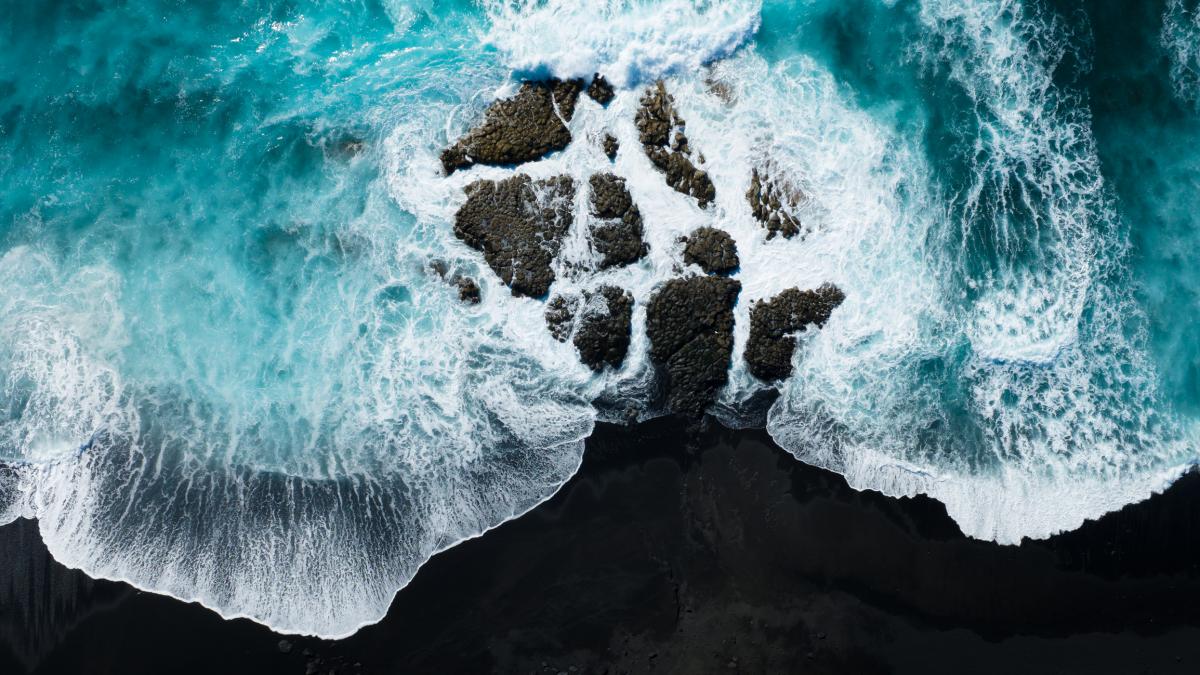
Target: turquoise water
{"points": [[227, 374]]}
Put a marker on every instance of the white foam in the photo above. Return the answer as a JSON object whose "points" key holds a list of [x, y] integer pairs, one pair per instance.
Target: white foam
{"points": [[1181, 38], [629, 41]]}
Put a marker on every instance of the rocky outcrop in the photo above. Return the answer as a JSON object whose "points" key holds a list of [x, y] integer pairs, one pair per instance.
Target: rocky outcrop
{"points": [[661, 131], [772, 203], [523, 128], [518, 224], [598, 324], [712, 249], [611, 146], [773, 325], [690, 325], [600, 90], [617, 231], [468, 288]]}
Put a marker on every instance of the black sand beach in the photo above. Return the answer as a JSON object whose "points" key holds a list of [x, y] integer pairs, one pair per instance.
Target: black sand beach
{"points": [[686, 552]]}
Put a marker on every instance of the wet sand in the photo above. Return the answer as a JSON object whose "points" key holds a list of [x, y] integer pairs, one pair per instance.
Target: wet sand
{"points": [[686, 551]]}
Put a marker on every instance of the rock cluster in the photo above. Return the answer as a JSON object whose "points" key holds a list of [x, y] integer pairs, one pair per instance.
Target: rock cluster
{"points": [[520, 129], [774, 323], [468, 288], [598, 324], [617, 232], [770, 202], [712, 249], [518, 224], [611, 146], [600, 90], [690, 325], [660, 129]]}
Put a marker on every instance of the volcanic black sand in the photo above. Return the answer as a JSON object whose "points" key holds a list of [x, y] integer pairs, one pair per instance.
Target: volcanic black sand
{"points": [[680, 551]]}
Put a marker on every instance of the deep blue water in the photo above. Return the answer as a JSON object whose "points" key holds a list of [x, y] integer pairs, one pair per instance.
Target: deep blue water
{"points": [[227, 374]]}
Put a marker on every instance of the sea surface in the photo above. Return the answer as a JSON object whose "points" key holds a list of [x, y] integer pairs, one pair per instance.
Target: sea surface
{"points": [[228, 375]]}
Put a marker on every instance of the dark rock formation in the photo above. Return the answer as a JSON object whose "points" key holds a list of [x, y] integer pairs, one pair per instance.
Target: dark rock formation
{"points": [[611, 146], [690, 326], [518, 225], [660, 130], [712, 249], [598, 325], [519, 129], [773, 324], [617, 235], [770, 202], [468, 289], [600, 90]]}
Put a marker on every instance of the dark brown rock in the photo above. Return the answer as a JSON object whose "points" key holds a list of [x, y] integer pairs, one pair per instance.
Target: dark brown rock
{"points": [[600, 90], [712, 249], [774, 323], [598, 324], [772, 203], [690, 325], [611, 146], [518, 224], [520, 129], [468, 290], [617, 232], [660, 129]]}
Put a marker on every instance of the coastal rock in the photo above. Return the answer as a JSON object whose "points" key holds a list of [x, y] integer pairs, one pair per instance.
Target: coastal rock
{"points": [[712, 249], [773, 324], [600, 90], [468, 288], [611, 146], [519, 129], [518, 224], [690, 325], [598, 324], [660, 129], [617, 235], [772, 203]]}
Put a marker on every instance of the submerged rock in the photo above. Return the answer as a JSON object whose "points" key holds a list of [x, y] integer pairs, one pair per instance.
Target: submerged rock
{"points": [[690, 325], [611, 146], [518, 224], [598, 324], [773, 324], [600, 90], [617, 235], [712, 249], [771, 201], [468, 288], [660, 129], [519, 129]]}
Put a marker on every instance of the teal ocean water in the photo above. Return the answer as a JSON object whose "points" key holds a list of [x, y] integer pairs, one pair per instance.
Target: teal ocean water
{"points": [[228, 375]]}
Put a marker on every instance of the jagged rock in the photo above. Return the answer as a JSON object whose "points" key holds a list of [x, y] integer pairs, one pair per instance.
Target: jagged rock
{"points": [[656, 119], [690, 326], [468, 290], [617, 235], [599, 325], [518, 224], [600, 90], [771, 204], [611, 146], [773, 324], [712, 249], [520, 129]]}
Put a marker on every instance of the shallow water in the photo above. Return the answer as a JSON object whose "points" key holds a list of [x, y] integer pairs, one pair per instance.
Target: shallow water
{"points": [[227, 374]]}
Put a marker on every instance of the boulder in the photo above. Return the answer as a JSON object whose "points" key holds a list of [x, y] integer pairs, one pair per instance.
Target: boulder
{"points": [[518, 224], [712, 249], [611, 146], [617, 231], [690, 325], [600, 90], [772, 204], [773, 325], [519, 129], [598, 324]]}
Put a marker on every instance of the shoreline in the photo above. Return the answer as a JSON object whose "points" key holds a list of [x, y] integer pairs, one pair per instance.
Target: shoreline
{"points": [[690, 551]]}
